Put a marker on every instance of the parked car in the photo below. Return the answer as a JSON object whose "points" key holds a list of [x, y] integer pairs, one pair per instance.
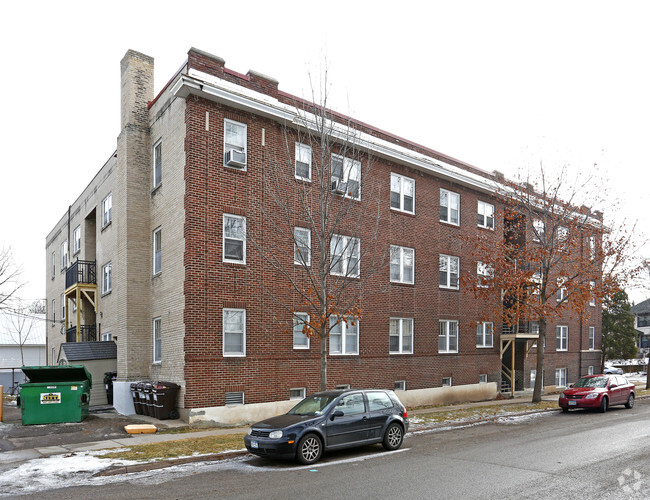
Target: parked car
{"points": [[328, 421], [598, 391], [611, 370]]}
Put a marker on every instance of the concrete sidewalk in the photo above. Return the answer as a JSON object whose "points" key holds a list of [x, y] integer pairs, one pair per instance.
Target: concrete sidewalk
{"points": [[127, 440]]}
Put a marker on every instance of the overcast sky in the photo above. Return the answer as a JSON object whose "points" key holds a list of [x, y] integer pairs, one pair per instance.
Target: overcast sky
{"points": [[500, 85]]}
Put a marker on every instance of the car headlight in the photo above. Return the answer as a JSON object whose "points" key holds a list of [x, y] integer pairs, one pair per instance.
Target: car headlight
{"points": [[591, 395], [250, 431], [562, 396], [275, 434]]}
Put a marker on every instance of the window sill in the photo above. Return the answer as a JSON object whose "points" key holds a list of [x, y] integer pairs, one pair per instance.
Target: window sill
{"points": [[76, 253], [302, 179], [485, 346], [485, 228], [300, 349], [156, 189], [343, 354], [239, 170], [402, 212], [450, 224], [402, 283], [156, 275], [447, 352], [235, 262], [234, 355], [448, 288], [400, 354], [156, 363], [104, 294], [105, 226]]}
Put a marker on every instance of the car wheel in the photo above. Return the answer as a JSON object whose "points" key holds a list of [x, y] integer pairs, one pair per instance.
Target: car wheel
{"points": [[565, 409], [393, 437], [630, 401], [603, 405], [310, 448]]}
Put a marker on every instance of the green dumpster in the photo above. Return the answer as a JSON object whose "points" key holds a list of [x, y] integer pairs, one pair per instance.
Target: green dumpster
{"points": [[55, 394]]}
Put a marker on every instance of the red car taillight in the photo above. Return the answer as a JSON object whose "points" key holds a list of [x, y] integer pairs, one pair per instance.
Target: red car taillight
{"points": [[404, 415]]}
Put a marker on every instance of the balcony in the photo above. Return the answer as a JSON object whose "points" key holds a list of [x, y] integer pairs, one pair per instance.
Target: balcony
{"points": [[81, 272], [88, 333]]}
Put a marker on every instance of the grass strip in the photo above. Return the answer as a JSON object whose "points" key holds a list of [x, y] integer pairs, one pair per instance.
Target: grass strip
{"points": [[481, 412]]}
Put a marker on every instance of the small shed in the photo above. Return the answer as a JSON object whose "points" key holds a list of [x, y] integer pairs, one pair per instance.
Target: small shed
{"points": [[98, 358]]}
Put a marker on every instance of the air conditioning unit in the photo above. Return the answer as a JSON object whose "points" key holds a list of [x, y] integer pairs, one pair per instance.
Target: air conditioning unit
{"points": [[339, 187], [235, 158]]}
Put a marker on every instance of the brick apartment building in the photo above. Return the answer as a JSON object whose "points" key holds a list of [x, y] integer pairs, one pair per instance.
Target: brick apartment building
{"points": [[153, 256]]}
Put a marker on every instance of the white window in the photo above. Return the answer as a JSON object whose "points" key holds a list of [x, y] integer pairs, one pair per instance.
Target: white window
{"points": [[538, 229], [344, 387], [402, 264], [399, 385], [64, 255], [449, 271], [346, 177], [590, 370], [157, 164], [300, 340], [53, 312], [157, 250], [107, 278], [483, 378], [592, 247], [344, 256], [401, 336], [107, 210], [592, 337], [234, 398], [560, 377], [234, 142], [536, 282], [76, 240], [561, 289], [344, 336], [234, 332], [303, 162], [106, 336], [448, 336], [297, 393], [485, 335], [53, 264], [234, 238], [484, 273], [446, 381], [402, 193], [157, 340], [449, 207], [63, 307], [302, 246], [561, 338], [485, 215], [592, 297]]}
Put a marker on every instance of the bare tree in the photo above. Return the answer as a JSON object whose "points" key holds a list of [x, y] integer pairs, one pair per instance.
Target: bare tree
{"points": [[318, 225], [20, 324], [555, 258], [10, 282]]}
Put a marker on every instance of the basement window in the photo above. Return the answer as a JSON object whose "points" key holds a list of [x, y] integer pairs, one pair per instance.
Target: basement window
{"points": [[400, 385], [234, 398], [446, 381]]}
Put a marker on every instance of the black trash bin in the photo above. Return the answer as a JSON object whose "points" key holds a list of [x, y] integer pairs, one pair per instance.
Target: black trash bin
{"points": [[137, 406], [109, 377], [142, 399], [164, 400], [146, 399]]}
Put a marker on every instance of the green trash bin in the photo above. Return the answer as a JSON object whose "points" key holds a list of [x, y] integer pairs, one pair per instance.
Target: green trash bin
{"points": [[55, 394]]}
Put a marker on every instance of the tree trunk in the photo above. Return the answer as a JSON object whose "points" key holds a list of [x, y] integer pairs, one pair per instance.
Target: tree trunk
{"points": [[539, 374]]}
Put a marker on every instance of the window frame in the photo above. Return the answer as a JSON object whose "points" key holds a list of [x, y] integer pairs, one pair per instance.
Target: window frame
{"points": [[244, 150], [156, 153], [63, 301], [450, 195], [157, 340], [106, 336], [156, 263], [448, 259], [592, 297], [484, 272], [401, 193], [448, 336], [562, 372], [592, 338], [233, 394], [64, 255], [303, 393], [298, 316], [348, 247], [347, 167], [590, 370], [53, 312], [53, 264], [486, 218], [107, 215], [447, 382], [233, 354], [297, 253], [402, 266], [76, 240], [299, 149], [483, 378], [484, 335], [243, 239], [345, 325], [539, 229], [400, 335], [561, 338], [107, 284], [399, 385]]}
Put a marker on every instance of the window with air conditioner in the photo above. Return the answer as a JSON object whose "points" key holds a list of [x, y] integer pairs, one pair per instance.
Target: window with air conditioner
{"points": [[346, 177], [235, 139]]}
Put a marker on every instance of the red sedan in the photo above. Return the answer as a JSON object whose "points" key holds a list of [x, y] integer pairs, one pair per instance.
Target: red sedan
{"points": [[598, 391]]}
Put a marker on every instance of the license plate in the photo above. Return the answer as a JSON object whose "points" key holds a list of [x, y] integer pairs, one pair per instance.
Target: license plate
{"points": [[573, 403], [254, 444]]}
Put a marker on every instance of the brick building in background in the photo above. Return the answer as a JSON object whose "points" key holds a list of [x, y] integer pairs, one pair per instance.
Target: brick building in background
{"points": [[153, 256]]}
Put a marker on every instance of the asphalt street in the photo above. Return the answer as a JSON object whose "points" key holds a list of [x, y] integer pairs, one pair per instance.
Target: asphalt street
{"points": [[582, 454]]}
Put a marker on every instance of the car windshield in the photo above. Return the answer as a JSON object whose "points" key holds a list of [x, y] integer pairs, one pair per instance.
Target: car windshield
{"points": [[598, 382], [313, 405]]}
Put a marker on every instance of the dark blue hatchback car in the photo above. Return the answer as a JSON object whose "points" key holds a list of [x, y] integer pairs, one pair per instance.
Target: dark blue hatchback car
{"points": [[328, 421]]}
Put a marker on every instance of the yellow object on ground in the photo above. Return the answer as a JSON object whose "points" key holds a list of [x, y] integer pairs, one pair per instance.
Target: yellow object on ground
{"points": [[140, 428]]}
